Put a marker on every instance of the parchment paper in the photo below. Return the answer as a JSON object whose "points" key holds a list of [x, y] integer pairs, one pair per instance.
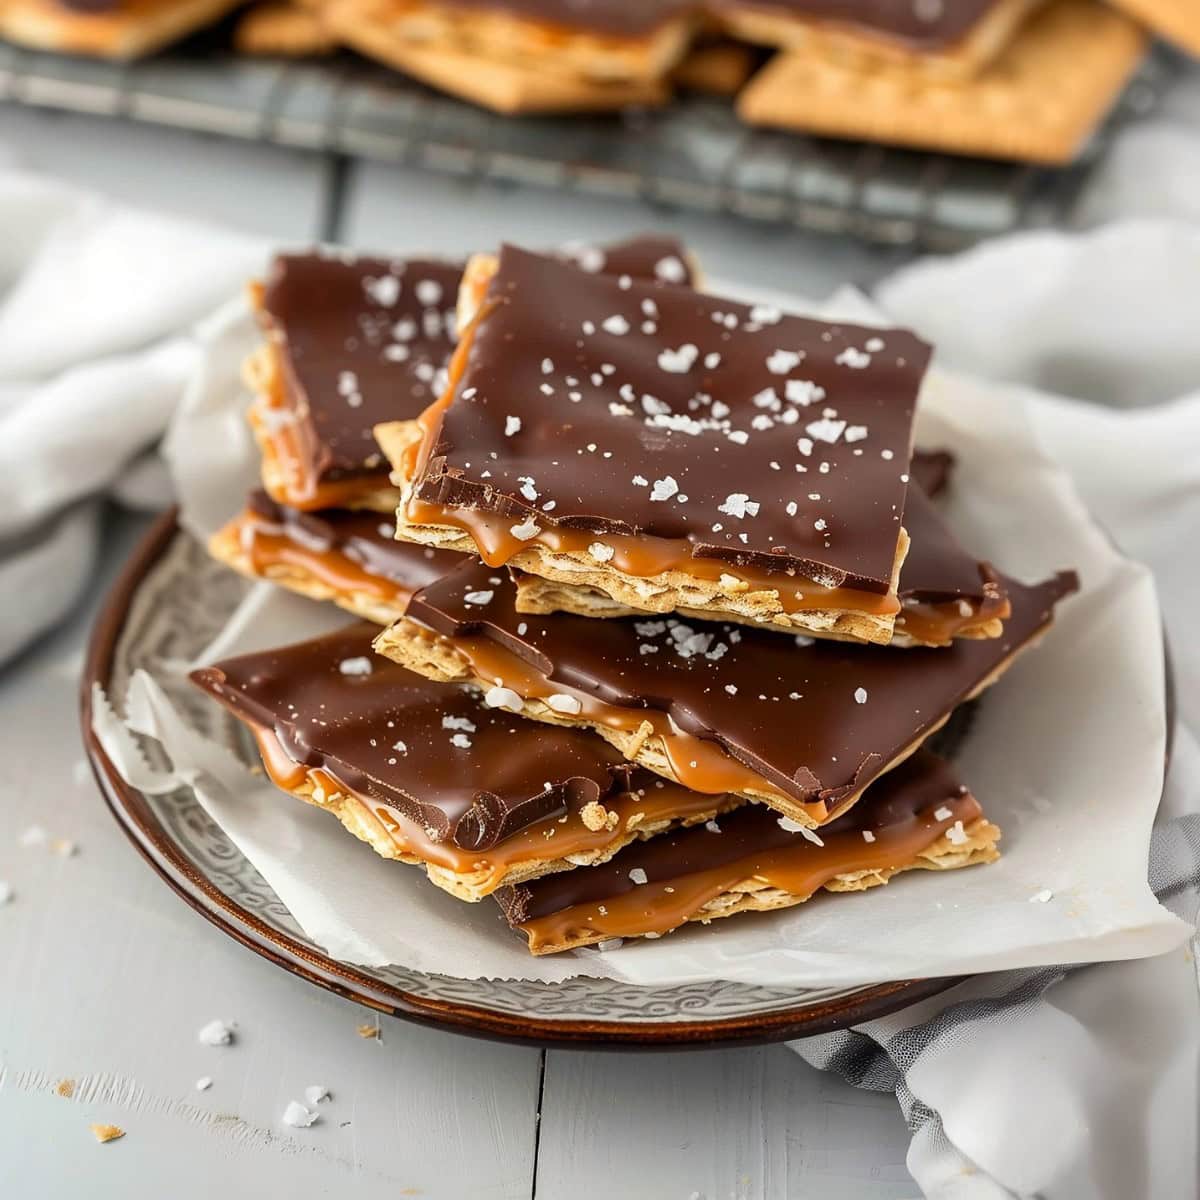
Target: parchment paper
{"points": [[1066, 753]]}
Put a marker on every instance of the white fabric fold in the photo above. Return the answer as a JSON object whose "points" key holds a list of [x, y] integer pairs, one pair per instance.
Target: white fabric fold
{"points": [[1057, 1083], [97, 307]]}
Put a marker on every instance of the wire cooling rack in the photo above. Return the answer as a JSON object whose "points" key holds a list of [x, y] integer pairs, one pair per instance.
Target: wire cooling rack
{"points": [[694, 154]]}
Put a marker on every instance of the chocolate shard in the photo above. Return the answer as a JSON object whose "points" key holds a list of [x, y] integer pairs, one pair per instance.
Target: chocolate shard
{"points": [[817, 720], [931, 470], [749, 436], [468, 774]]}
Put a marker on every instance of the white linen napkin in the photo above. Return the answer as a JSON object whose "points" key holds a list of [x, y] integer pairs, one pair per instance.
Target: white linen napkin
{"points": [[1081, 1083], [97, 301]]}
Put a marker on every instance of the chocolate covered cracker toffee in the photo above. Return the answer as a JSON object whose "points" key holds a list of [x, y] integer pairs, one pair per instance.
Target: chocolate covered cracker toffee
{"points": [[753, 860], [427, 775], [802, 727], [673, 450]]}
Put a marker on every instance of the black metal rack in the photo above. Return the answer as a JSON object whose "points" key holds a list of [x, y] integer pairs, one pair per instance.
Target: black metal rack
{"points": [[694, 154]]}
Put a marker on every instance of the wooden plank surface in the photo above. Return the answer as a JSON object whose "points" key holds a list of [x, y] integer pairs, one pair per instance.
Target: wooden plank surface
{"points": [[107, 978], [752, 1124]]}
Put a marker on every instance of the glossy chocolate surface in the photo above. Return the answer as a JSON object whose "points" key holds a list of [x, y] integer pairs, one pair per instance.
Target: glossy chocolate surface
{"points": [[363, 537], [889, 810], [818, 720], [923, 24], [468, 774], [662, 412], [364, 340], [361, 340]]}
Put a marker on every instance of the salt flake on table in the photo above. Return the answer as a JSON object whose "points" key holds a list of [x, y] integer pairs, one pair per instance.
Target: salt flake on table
{"points": [[315, 1093], [216, 1033], [1042, 897], [298, 1116]]}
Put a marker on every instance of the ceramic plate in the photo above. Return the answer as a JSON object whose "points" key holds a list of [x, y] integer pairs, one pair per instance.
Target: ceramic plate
{"points": [[169, 602]]}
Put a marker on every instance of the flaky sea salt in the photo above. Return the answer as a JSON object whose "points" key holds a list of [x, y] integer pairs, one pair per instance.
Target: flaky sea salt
{"points": [[562, 703], [664, 488], [637, 875], [670, 269], [361, 665], [480, 598], [502, 697]]}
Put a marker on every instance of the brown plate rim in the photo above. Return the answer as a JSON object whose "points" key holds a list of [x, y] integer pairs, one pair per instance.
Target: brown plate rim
{"points": [[138, 822]]}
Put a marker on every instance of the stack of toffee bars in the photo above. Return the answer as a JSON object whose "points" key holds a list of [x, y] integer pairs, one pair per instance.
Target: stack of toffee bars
{"points": [[668, 609]]}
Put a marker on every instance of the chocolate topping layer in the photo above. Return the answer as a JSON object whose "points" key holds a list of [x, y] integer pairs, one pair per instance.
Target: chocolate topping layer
{"points": [[363, 537], [921, 24], [757, 437], [818, 720], [466, 773], [361, 340], [888, 808]]}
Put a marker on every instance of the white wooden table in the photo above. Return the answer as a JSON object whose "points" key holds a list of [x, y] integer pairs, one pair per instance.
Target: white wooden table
{"points": [[106, 977]]}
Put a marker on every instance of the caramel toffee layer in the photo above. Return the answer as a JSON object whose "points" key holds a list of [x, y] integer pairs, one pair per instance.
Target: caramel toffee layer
{"points": [[350, 552], [464, 774], [578, 836], [356, 340], [803, 725], [707, 430], [652, 887], [944, 592], [922, 26]]}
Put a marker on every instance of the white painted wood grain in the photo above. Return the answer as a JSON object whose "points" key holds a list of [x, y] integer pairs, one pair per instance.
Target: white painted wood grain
{"points": [[747, 1124], [106, 977]]}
